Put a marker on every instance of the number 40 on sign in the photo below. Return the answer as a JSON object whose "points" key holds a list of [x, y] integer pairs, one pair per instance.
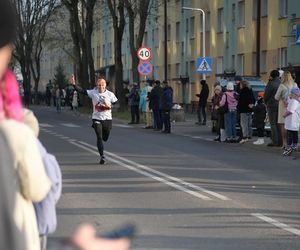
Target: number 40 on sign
{"points": [[144, 54]]}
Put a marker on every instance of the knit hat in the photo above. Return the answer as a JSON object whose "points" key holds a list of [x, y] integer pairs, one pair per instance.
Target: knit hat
{"points": [[230, 86], [295, 91], [8, 23], [218, 87]]}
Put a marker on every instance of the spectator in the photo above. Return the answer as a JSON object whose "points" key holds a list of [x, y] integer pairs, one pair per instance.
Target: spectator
{"points": [[244, 108], [202, 103], [75, 102], [154, 104], [217, 117], [144, 105], [272, 108], [259, 117], [46, 209], [230, 116], [238, 80], [283, 91], [134, 101], [292, 121], [166, 104]]}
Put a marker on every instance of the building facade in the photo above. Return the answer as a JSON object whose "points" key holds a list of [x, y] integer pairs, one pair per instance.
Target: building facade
{"points": [[230, 33]]}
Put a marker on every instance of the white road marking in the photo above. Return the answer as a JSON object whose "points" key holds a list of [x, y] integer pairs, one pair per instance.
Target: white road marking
{"points": [[46, 125], [179, 181], [70, 125], [277, 223], [122, 126], [160, 179]]}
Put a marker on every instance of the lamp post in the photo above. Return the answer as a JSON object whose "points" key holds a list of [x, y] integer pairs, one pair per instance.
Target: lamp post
{"points": [[203, 30]]}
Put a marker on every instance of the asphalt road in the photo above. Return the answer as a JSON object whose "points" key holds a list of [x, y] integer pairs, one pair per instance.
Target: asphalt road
{"points": [[182, 192]]}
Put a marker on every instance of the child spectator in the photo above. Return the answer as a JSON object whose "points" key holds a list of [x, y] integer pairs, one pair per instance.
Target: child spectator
{"points": [[292, 121], [259, 117]]}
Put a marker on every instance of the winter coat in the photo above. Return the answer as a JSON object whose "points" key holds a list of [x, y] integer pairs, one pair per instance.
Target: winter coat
{"points": [[32, 183], [245, 98], [203, 95], [45, 210], [281, 95], [10, 98], [259, 115], [215, 104], [166, 102], [270, 91], [144, 98], [10, 237], [154, 98], [231, 100], [134, 96]]}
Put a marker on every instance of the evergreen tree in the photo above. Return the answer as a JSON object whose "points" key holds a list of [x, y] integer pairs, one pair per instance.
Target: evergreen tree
{"points": [[60, 78]]}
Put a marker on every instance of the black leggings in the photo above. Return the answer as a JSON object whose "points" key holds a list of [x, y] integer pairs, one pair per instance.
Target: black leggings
{"points": [[292, 138], [102, 130]]}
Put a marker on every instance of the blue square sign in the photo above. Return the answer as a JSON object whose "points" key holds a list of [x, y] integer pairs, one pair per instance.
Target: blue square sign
{"points": [[204, 65]]}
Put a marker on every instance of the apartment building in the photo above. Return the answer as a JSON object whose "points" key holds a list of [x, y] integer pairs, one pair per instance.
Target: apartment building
{"points": [[230, 33]]}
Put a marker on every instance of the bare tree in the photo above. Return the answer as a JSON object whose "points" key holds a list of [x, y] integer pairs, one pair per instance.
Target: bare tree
{"points": [[137, 11], [81, 27], [116, 8], [32, 16]]}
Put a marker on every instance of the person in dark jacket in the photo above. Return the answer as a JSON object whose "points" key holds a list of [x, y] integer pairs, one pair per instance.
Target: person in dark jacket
{"points": [[216, 116], [245, 104], [154, 104], [134, 101], [237, 87], [259, 117], [202, 102], [272, 108], [166, 106]]}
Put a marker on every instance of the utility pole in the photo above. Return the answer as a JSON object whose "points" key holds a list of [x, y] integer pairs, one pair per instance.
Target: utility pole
{"points": [[258, 38], [166, 40]]}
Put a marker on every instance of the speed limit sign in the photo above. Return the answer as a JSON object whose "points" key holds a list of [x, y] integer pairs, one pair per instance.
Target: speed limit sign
{"points": [[144, 54]]}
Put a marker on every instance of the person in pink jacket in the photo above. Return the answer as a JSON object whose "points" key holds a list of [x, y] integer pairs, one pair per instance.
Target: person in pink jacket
{"points": [[229, 98]]}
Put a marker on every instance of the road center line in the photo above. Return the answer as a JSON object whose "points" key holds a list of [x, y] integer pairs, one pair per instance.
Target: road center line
{"points": [[181, 182], [277, 223], [157, 178]]}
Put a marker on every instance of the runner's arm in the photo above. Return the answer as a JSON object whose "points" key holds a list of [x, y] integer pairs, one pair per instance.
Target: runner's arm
{"points": [[77, 88]]}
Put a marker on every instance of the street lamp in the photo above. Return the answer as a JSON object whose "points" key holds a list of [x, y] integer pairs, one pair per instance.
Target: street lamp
{"points": [[203, 30]]}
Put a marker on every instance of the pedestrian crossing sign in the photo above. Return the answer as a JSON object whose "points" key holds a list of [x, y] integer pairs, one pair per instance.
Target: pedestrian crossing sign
{"points": [[298, 34], [204, 65]]}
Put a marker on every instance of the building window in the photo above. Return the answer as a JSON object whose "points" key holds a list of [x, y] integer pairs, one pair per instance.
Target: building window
{"points": [[187, 26], [103, 50], [254, 63], [177, 31], [182, 49], [254, 10], [282, 55], [263, 61], [169, 71], [264, 8], [110, 50], [282, 8], [207, 21], [233, 14], [156, 38], [220, 20], [145, 38], [186, 68], [177, 69], [233, 62], [220, 65], [169, 32], [241, 64], [192, 27], [241, 12]]}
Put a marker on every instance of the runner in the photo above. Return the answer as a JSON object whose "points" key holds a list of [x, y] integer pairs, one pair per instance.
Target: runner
{"points": [[102, 118]]}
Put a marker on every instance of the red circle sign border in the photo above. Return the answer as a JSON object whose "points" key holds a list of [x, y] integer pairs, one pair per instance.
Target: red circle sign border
{"points": [[141, 62], [138, 52]]}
